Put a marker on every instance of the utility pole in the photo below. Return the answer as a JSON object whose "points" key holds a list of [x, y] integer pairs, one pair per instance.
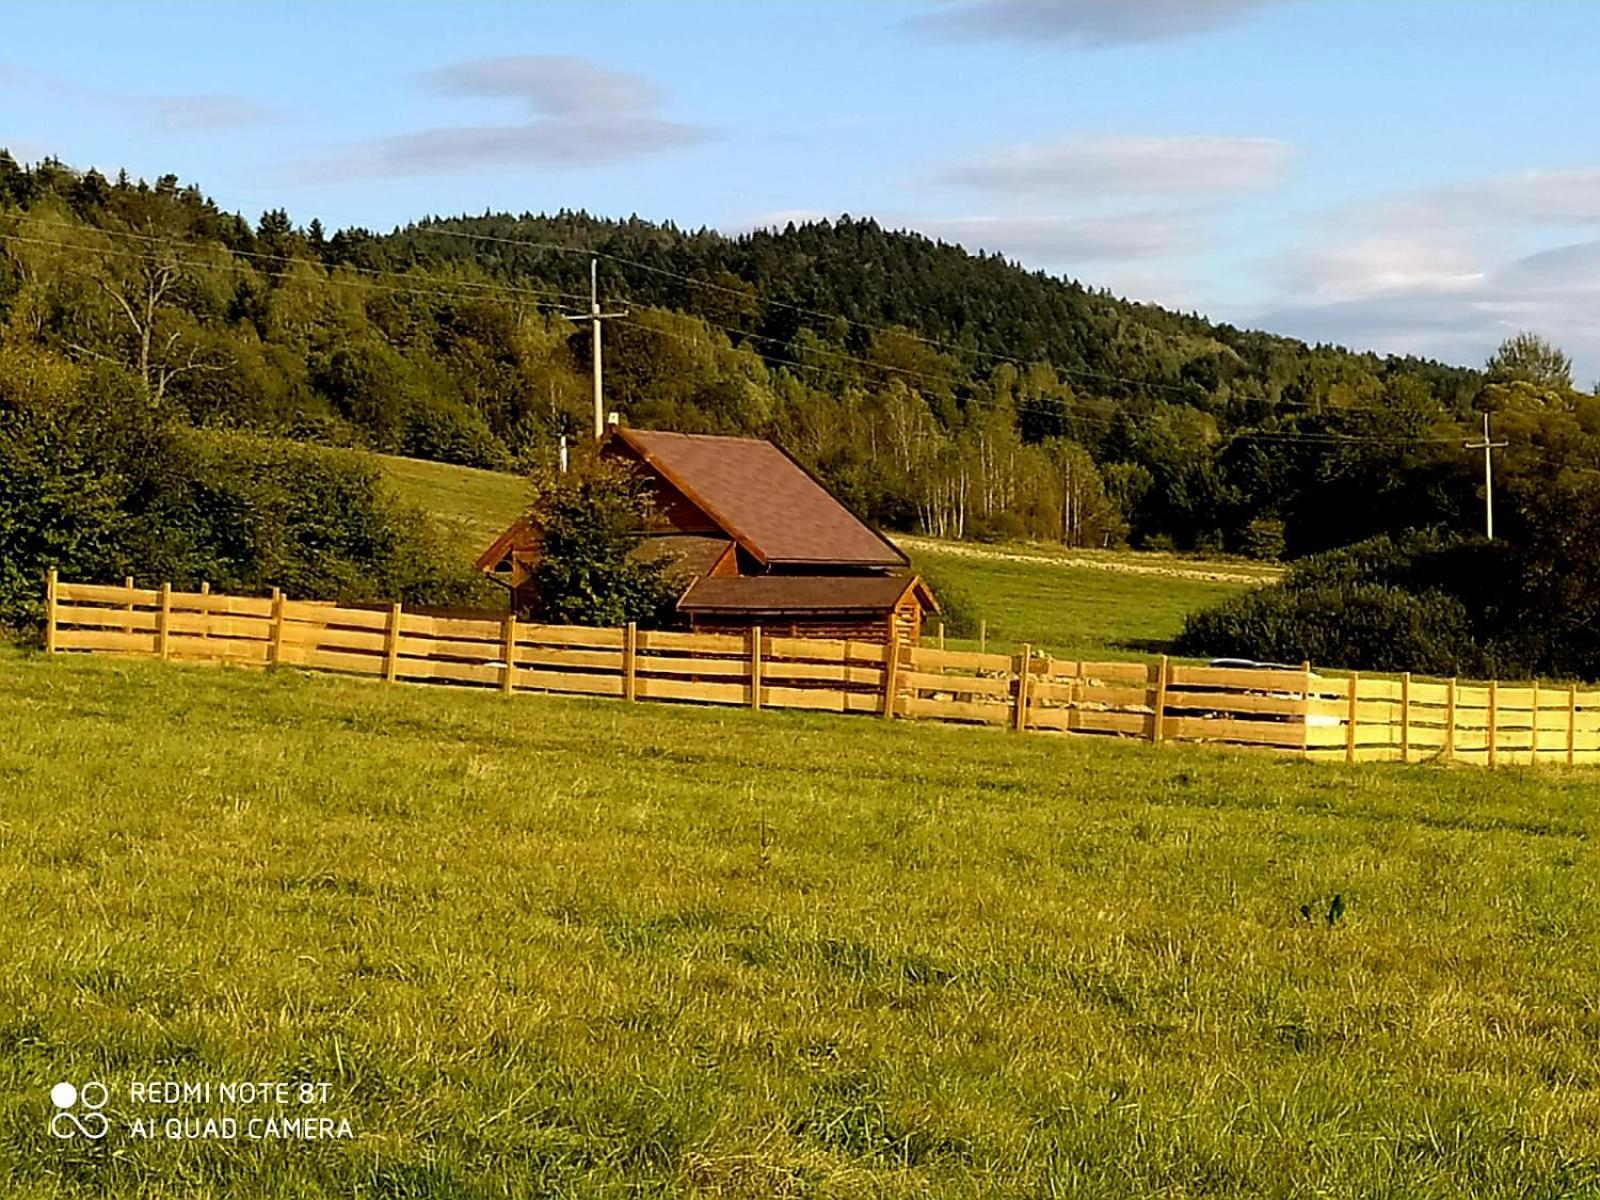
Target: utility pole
{"points": [[1488, 447], [594, 316]]}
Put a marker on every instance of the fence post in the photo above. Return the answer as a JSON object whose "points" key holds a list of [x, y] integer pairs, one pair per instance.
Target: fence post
{"points": [[51, 600], [1533, 741], [755, 667], [163, 647], [630, 651], [891, 674], [275, 647], [508, 631], [1351, 717], [1019, 714], [205, 610], [1572, 723], [127, 586], [1305, 715], [1450, 719], [941, 633], [983, 635], [1494, 722], [1158, 704], [391, 645], [1405, 717]]}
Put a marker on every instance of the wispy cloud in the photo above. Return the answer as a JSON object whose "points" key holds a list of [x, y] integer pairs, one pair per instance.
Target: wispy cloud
{"points": [[580, 114], [210, 112], [1083, 22], [1098, 167], [202, 114], [1062, 241]]}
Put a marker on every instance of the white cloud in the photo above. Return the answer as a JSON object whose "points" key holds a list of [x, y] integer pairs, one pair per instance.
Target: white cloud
{"points": [[582, 115], [554, 84], [1084, 22], [1097, 167], [1451, 271]]}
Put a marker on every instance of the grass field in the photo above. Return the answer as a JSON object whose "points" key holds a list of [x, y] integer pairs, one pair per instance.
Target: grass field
{"points": [[1071, 611], [478, 504], [577, 948], [1026, 594]]}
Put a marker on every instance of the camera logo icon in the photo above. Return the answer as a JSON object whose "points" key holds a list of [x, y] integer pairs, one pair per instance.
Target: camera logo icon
{"points": [[78, 1111]]}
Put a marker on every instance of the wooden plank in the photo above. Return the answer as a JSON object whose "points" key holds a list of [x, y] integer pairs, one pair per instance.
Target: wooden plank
{"points": [[466, 629], [822, 673], [104, 618], [954, 710], [108, 594], [197, 649], [924, 659], [1114, 672], [316, 659], [195, 624], [456, 672], [1236, 702], [220, 604], [826, 650], [692, 643], [820, 699], [1249, 679], [560, 681], [966, 685], [1423, 692], [630, 665], [326, 614], [573, 635], [545, 656], [686, 689], [298, 633], [114, 641], [423, 647], [677, 665], [1130, 724], [1283, 734]]}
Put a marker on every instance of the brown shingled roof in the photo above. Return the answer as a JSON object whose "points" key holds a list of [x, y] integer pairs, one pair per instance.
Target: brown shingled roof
{"points": [[763, 499], [799, 593]]}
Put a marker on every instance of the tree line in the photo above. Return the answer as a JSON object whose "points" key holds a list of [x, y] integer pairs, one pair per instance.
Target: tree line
{"points": [[932, 388]]}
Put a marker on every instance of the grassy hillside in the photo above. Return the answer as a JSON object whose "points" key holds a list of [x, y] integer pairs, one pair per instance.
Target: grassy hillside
{"points": [[1090, 603], [473, 503], [543, 946]]}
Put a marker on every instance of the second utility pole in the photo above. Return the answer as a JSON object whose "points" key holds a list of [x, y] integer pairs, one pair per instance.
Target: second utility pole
{"points": [[594, 316], [1488, 447]]}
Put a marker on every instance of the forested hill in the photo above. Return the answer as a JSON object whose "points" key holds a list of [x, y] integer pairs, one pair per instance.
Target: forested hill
{"points": [[843, 280], [933, 388]]}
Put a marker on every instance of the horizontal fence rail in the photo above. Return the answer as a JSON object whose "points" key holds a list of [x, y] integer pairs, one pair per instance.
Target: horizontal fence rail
{"points": [[1347, 718]]}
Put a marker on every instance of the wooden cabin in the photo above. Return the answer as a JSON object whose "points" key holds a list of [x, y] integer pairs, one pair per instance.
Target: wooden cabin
{"points": [[755, 539]]}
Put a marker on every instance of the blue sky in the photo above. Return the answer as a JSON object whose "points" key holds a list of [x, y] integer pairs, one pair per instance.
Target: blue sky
{"points": [[1409, 177]]}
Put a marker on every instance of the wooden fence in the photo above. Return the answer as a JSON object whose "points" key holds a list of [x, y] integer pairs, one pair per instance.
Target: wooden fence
{"points": [[1347, 718]]}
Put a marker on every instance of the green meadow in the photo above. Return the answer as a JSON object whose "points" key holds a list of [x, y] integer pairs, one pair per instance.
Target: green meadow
{"points": [[543, 946]]}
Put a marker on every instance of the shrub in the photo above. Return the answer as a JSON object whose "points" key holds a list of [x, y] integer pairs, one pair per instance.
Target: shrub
{"points": [[590, 521], [958, 609]]}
